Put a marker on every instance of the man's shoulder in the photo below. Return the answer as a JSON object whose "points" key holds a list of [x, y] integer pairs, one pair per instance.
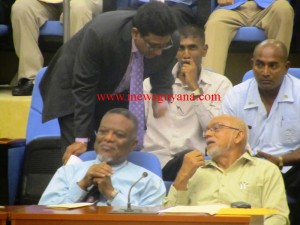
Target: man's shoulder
{"points": [[216, 77]]}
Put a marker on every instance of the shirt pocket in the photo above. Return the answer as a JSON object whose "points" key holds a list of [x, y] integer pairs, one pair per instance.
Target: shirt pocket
{"points": [[254, 195], [289, 131]]}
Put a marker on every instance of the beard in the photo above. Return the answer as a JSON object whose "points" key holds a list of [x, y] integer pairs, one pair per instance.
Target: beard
{"points": [[215, 152]]}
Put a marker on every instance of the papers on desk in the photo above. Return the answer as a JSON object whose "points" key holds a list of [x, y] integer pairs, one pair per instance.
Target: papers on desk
{"points": [[208, 209], [52, 1], [70, 205], [220, 209]]}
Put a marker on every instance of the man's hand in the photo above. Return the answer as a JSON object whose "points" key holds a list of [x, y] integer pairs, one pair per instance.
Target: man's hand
{"points": [[77, 148], [190, 72], [94, 175], [191, 162], [225, 2], [269, 157]]}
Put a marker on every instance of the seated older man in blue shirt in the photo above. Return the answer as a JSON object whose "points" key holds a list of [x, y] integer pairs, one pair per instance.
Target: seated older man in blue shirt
{"points": [[110, 172], [270, 104]]}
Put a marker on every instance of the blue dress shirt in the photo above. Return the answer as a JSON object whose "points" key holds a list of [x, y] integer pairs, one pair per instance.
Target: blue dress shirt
{"points": [[63, 187]]}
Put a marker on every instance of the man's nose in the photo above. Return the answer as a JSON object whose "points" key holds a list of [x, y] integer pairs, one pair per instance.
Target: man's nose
{"points": [[158, 51], [109, 136]]}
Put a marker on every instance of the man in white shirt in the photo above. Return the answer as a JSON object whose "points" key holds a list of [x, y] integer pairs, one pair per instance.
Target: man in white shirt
{"points": [[270, 104], [196, 100]]}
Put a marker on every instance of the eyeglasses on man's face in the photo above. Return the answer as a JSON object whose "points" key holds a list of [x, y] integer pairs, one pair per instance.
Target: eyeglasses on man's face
{"points": [[216, 128], [153, 47]]}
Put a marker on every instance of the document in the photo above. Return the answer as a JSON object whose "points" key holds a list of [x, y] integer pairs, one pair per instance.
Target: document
{"points": [[52, 1], [70, 205], [211, 209]]}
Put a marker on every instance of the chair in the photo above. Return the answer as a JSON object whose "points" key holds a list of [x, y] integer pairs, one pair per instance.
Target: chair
{"points": [[39, 135], [293, 71], [246, 34], [3, 29]]}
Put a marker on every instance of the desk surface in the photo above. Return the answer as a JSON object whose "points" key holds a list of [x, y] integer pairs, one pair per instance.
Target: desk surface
{"points": [[92, 215]]}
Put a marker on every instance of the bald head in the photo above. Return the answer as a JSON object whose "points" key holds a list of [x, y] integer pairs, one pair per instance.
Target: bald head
{"points": [[234, 124], [278, 47]]}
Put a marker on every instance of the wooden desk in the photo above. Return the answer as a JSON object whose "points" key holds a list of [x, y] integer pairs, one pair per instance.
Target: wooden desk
{"points": [[40, 215], [3, 218]]}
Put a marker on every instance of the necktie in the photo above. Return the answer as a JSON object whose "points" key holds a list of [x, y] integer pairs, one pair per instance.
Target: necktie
{"points": [[136, 88], [93, 195]]}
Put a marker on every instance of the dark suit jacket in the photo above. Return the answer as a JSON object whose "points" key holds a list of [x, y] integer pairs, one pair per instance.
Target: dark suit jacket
{"points": [[95, 61]]}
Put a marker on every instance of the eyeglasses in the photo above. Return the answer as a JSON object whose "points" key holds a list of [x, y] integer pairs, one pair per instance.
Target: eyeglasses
{"points": [[152, 46], [216, 127]]}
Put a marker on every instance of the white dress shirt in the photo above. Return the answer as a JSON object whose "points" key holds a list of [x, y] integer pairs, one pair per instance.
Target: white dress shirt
{"points": [[181, 127]]}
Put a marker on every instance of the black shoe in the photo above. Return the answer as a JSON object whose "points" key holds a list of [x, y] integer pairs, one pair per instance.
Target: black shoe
{"points": [[24, 87]]}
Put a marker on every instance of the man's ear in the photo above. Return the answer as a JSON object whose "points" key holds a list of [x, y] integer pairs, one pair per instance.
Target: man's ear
{"points": [[134, 144], [239, 137], [204, 50], [134, 32]]}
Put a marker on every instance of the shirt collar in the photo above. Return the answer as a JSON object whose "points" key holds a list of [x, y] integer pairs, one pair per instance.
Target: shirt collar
{"points": [[114, 167], [285, 93], [133, 48], [245, 157]]}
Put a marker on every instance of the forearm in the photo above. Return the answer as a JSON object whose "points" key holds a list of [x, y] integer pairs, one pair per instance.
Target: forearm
{"points": [[291, 158]]}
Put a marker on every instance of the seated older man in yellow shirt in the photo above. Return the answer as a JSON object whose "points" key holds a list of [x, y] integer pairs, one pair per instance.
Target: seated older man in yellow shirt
{"points": [[231, 175]]}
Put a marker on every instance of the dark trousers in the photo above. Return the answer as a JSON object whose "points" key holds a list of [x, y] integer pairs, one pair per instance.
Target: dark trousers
{"points": [[292, 186]]}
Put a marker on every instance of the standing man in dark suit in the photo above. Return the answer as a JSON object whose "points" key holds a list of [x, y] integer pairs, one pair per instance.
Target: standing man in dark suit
{"points": [[98, 60]]}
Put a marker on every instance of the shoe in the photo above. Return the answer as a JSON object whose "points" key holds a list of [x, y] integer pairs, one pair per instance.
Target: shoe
{"points": [[24, 87]]}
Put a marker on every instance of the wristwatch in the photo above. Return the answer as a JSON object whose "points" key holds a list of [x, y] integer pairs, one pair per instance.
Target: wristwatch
{"points": [[197, 92], [113, 195], [280, 161]]}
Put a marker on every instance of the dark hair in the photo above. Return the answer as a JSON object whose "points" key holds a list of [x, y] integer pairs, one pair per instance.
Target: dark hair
{"points": [[155, 18], [126, 113], [192, 31]]}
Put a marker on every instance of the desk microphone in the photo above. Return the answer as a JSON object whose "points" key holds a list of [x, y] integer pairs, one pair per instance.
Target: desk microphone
{"points": [[129, 209]]}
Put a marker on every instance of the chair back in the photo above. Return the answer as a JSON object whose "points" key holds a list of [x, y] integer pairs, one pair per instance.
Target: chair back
{"points": [[35, 127], [38, 158]]}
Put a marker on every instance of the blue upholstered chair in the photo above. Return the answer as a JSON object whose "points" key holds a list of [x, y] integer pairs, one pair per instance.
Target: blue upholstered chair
{"points": [[52, 28], [3, 29], [293, 71], [35, 130], [247, 34]]}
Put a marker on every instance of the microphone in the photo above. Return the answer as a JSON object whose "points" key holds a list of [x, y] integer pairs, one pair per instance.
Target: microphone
{"points": [[129, 209]]}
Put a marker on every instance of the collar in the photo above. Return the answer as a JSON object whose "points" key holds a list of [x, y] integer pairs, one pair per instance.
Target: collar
{"points": [[245, 157], [133, 48], [285, 93], [114, 167]]}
